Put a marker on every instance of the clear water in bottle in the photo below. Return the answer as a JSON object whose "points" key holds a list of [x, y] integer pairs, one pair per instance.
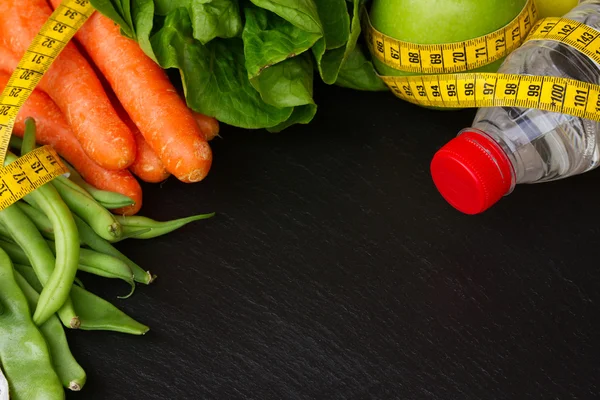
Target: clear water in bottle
{"points": [[539, 145]]}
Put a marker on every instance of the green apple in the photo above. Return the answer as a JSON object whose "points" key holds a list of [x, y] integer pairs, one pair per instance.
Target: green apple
{"points": [[554, 8], [441, 21]]}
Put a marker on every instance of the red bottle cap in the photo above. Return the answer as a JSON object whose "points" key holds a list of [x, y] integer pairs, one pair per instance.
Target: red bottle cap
{"points": [[472, 172]]}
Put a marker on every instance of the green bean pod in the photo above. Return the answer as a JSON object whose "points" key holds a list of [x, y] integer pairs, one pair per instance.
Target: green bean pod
{"points": [[28, 142], [96, 314], [4, 233], [24, 354], [69, 371], [95, 242], [54, 297], [29, 274], [89, 261], [88, 209], [156, 228], [107, 199], [15, 143], [104, 265], [40, 219], [56, 288], [72, 185]]}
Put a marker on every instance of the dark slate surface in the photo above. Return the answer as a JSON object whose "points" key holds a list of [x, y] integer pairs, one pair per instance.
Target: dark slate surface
{"points": [[334, 270]]}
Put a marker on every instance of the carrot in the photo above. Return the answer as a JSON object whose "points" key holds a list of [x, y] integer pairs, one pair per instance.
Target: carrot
{"points": [[147, 166], [8, 61], [144, 90], [72, 84], [53, 130], [208, 125]]}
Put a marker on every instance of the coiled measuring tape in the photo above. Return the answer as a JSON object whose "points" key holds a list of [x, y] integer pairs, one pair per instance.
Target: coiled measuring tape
{"points": [[446, 89], [43, 164]]}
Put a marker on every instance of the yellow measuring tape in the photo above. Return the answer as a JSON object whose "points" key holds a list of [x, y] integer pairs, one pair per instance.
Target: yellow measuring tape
{"points": [[450, 57], [42, 165], [472, 90]]}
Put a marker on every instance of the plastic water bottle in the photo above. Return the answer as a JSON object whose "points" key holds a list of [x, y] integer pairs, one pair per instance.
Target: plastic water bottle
{"points": [[507, 146]]}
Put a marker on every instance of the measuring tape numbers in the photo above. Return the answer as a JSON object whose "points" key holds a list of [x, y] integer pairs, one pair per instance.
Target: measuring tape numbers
{"points": [[42, 165], [27, 173], [450, 57], [443, 87]]}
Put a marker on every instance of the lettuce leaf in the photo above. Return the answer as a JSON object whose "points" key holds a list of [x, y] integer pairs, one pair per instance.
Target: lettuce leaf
{"points": [[330, 60], [214, 75], [358, 73], [301, 13], [210, 18], [270, 39]]}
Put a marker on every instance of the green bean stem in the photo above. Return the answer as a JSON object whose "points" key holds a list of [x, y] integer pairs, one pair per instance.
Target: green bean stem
{"points": [[157, 228], [28, 142], [69, 371], [24, 353]]}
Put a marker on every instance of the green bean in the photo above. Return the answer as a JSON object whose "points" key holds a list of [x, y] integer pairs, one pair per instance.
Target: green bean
{"points": [[95, 242], [40, 219], [96, 313], [73, 186], [100, 315], [69, 371], [15, 143], [77, 281], [88, 209], [29, 274], [23, 351], [89, 261], [157, 228], [28, 142], [109, 200], [55, 297], [15, 252], [56, 288], [104, 265], [4, 233]]}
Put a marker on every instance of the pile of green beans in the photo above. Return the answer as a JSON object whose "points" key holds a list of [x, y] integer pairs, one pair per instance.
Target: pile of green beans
{"points": [[47, 239]]}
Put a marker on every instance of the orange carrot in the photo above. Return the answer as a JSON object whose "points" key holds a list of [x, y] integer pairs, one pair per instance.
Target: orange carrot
{"points": [[147, 166], [53, 130], [208, 125], [72, 84], [144, 90]]}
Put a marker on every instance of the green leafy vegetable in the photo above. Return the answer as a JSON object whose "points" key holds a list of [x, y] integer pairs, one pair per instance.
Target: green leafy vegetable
{"points": [[358, 73], [270, 39], [250, 63]]}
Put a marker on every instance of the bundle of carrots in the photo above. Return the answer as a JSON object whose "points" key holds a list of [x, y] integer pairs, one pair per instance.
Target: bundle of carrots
{"points": [[107, 108]]}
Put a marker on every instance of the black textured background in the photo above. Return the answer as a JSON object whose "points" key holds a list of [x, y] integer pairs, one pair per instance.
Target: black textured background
{"points": [[334, 270]]}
